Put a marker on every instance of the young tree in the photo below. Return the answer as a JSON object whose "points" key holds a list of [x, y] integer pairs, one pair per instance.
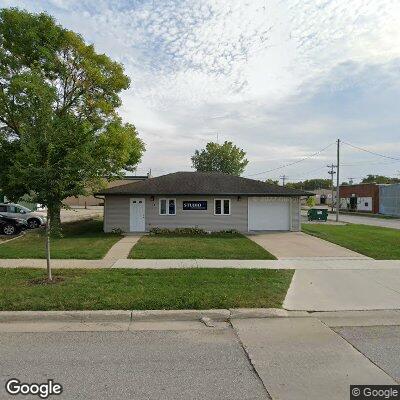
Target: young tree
{"points": [[226, 158], [60, 134]]}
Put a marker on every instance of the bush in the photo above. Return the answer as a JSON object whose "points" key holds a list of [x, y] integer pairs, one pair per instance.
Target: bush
{"points": [[311, 201], [178, 231], [192, 231], [229, 231]]}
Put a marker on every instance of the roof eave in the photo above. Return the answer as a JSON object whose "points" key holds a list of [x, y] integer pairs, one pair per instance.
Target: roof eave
{"points": [[206, 194]]}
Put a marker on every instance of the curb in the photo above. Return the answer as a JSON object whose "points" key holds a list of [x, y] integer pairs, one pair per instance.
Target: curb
{"points": [[112, 316], [243, 313], [66, 316], [180, 315]]}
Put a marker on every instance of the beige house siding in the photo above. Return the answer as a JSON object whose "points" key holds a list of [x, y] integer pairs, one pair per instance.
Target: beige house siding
{"points": [[116, 213], [204, 219], [295, 212], [117, 209]]}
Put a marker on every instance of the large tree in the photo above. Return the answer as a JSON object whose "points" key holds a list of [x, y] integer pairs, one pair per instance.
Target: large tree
{"points": [[216, 157], [60, 133]]}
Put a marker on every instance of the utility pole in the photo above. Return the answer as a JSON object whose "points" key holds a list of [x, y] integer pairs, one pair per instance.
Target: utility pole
{"points": [[283, 178], [331, 173], [337, 181]]}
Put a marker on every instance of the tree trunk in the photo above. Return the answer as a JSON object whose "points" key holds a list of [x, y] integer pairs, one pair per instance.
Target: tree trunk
{"points": [[54, 211], [48, 225]]}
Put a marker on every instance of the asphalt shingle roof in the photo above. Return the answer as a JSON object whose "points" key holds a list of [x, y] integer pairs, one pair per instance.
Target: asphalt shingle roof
{"points": [[202, 183]]}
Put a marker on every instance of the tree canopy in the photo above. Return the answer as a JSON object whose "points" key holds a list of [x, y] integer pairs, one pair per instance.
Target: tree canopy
{"points": [[272, 181], [60, 132], [310, 184], [216, 157], [379, 179]]}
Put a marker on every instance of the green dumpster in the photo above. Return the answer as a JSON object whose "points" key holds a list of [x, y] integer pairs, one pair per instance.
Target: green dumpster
{"points": [[317, 214]]}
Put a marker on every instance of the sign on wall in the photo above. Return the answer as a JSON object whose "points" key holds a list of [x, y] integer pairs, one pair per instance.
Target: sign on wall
{"points": [[195, 205]]}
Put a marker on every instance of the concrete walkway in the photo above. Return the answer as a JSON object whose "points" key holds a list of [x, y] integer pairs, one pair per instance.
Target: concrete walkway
{"points": [[332, 290], [298, 264], [122, 248], [289, 245]]}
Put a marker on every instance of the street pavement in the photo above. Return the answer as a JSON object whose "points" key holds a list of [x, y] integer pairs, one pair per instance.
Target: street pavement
{"points": [[187, 363], [374, 221], [308, 357]]}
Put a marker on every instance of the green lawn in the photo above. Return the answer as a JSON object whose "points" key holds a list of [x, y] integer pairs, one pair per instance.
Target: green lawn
{"points": [[217, 246], [127, 289], [82, 239], [372, 241]]}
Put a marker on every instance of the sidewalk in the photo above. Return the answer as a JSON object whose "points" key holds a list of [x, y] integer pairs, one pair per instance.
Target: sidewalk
{"points": [[323, 263], [122, 248], [332, 290]]}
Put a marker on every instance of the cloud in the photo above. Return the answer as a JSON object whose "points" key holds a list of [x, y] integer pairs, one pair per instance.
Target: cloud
{"points": [[280, 78]]}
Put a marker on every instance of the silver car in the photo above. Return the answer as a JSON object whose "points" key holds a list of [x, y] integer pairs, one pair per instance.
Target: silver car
{"points": [[33, 219]]}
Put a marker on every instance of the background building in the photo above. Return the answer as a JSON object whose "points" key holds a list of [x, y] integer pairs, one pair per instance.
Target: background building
{"points": [[363, 197], [324, 197], [389, 199], [90, 200]]}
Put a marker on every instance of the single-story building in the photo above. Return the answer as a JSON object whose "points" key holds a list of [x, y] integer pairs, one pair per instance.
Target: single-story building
{"points": [[324, 196], [389, 199], [363, 197], [211, 201]]}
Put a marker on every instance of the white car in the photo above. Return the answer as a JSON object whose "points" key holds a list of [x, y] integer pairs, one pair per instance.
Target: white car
{"points": [[33, 219]]}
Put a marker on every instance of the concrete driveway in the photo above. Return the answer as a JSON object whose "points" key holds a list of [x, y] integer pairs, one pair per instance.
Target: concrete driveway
{"points": [[292, 245]]}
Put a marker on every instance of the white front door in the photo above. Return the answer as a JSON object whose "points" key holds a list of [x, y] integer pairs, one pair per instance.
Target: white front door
{"points": [[137, 215]]}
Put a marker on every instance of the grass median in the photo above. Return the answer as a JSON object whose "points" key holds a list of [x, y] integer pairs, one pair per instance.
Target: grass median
{"points": [[372, 241], [128, 289], [228, 246], [81, 240]]}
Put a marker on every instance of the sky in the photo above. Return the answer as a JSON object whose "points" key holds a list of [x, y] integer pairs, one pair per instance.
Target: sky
{"points": [[281, 79]]}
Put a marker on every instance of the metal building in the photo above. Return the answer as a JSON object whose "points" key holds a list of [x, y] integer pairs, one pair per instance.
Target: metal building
{"points": [[389, 199]]}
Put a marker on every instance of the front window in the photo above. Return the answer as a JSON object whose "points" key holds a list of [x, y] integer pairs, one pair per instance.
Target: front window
{"points": [[222, 207], [167, 206]]}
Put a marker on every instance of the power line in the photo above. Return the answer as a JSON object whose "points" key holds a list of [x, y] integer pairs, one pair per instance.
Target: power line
{"points": [[295, 162], [362, 163], [371, 152], [304, 174]]}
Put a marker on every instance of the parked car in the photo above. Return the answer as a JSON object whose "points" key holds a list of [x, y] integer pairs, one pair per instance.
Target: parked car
{"points": [[33, 219], [12, 226]]}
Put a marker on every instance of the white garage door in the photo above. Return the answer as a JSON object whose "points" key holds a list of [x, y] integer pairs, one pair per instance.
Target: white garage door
{"points": [[266, 214]]}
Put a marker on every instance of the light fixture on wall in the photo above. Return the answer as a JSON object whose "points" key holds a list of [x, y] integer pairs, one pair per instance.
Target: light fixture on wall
{"points": [[239, 198]]}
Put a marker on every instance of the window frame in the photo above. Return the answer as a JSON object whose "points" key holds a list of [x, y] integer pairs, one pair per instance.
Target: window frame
{"points": [[222, 206], [167, 200]]}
